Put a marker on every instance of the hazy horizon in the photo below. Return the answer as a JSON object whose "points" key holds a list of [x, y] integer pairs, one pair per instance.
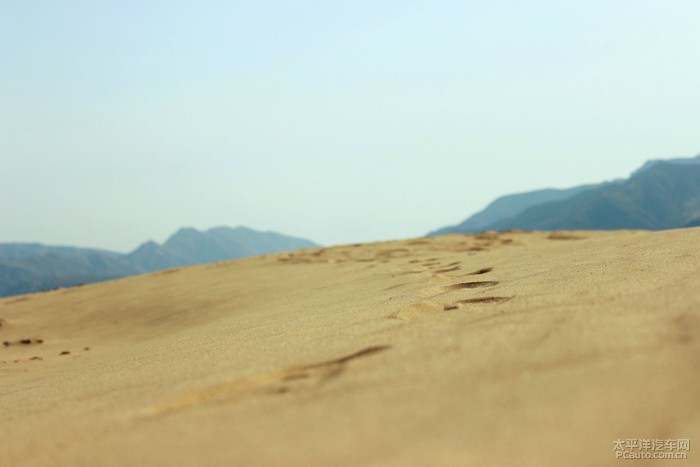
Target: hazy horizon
{"points": [[339, 122]]}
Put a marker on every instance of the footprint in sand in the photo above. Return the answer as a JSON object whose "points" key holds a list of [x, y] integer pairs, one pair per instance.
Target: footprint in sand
{"points": [[427, 307], [433, 266], [459, 303], [432, 305], [23, 342], [564, 236], [480, 271], [469, 285], [432, 291], [16, 300], [281, 382], [447, 269], [456, 267]]}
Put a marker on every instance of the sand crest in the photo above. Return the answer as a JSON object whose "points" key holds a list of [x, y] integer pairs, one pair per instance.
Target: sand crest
{"points": [[522, 348]]}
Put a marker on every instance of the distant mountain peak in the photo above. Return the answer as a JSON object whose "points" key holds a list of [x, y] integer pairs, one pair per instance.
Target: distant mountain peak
{"points": [[185, 231], [656, 196], [32, 267], [651, 163], [150, 245], [223, 228]]}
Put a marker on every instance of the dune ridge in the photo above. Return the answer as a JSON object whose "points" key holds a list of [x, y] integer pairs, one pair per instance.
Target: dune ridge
{"points": [[515, 348]]}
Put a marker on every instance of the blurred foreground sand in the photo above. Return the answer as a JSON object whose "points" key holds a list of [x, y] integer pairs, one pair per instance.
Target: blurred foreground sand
{"points": [[510, 349]]}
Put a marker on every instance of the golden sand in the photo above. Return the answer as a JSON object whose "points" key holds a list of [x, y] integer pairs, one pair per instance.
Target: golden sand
{"points": [[510, 349]]}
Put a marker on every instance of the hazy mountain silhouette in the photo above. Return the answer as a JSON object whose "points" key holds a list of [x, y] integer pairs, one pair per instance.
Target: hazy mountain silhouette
{"points": [[30, 267], [659, 195], [665, 196], [190, 246], [693, 223], [510, 205], [682, 161]]}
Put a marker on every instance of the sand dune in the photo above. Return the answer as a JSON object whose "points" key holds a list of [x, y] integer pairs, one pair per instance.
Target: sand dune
{"points": [[522, 348]]}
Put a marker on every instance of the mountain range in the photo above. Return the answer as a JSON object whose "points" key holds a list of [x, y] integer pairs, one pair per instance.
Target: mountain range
{"points": [[662, 194], [31, 267]]}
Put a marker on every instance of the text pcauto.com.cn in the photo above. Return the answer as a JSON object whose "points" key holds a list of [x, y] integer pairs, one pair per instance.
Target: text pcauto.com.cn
{"points": [[651, 448]]}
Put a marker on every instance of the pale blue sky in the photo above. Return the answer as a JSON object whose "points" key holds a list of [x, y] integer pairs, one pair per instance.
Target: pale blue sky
{"points": [[338, 121]]}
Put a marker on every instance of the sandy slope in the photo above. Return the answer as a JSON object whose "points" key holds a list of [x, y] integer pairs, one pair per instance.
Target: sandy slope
{"points": [[511, 349]]}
